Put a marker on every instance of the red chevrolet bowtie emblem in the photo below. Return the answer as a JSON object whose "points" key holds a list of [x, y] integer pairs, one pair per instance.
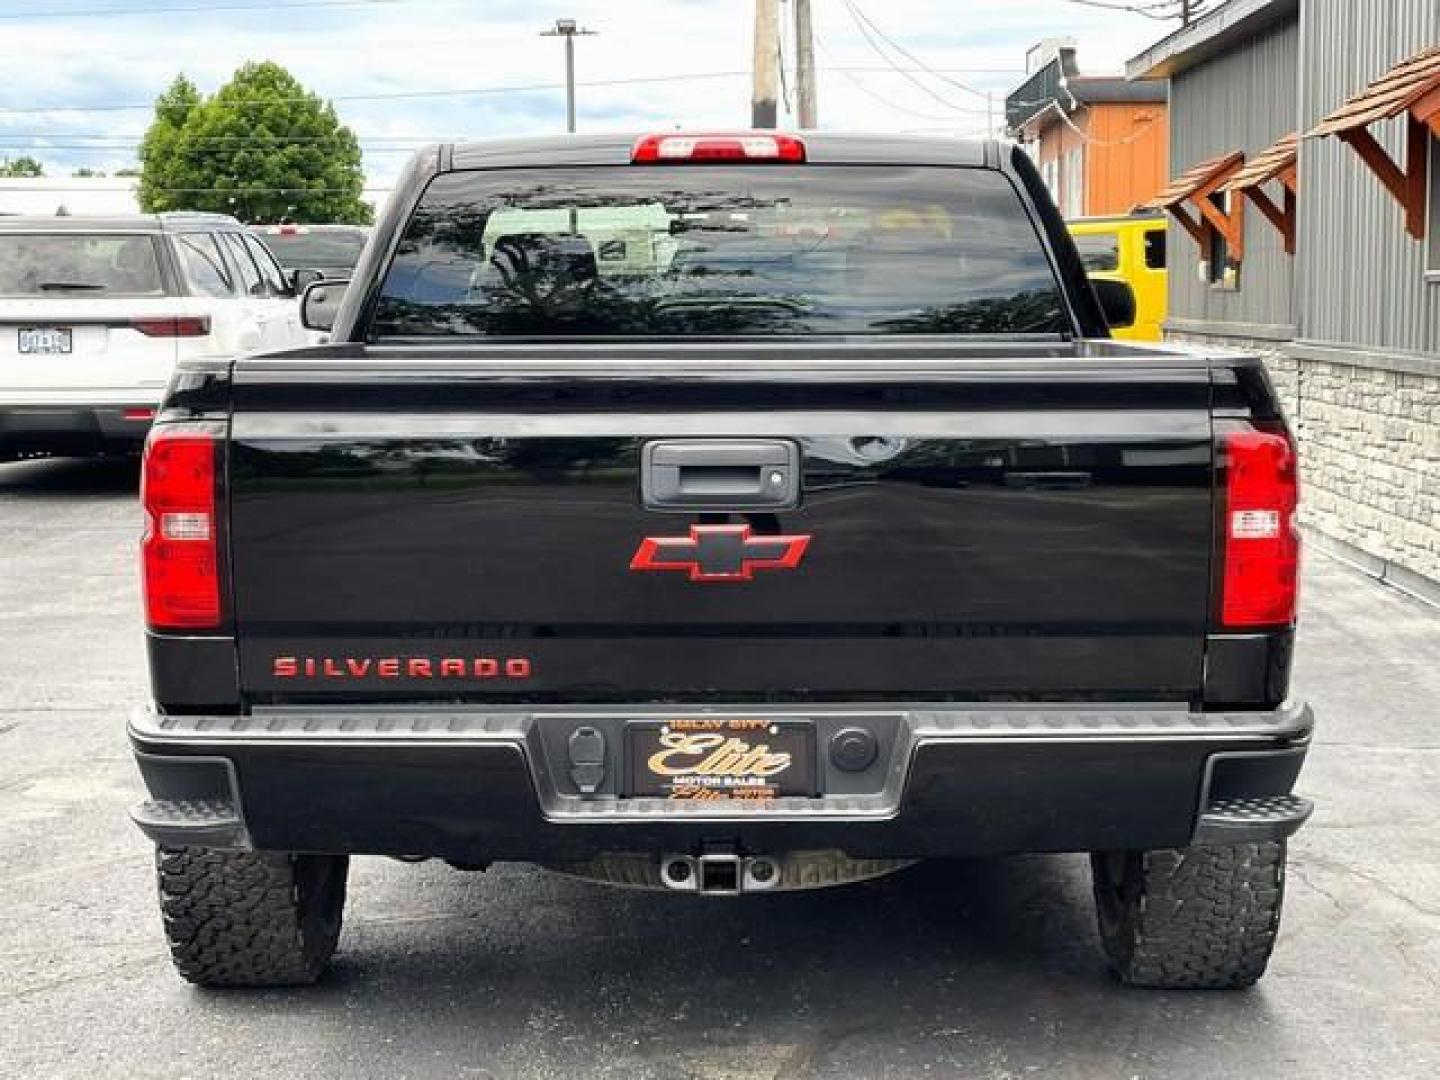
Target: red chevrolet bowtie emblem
{"points": [[720, 553]]}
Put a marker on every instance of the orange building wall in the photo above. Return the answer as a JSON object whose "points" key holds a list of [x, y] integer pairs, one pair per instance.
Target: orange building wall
{"points": [[1126, 152], [1127, 159]]}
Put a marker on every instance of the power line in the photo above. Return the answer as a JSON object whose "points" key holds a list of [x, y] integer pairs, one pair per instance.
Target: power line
{"points": [[36, 110], [870, 40], [859, 14], [397, 95], [86, 13], [863, 88], [10, 136], [236, 191], [1161, 10], [31, 149]]}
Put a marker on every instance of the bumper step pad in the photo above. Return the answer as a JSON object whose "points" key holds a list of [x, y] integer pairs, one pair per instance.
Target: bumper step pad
{"points": [[1252, 820], [191, 823]]}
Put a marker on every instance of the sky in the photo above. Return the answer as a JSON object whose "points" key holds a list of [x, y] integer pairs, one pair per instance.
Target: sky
{"points": [[402, 72]]}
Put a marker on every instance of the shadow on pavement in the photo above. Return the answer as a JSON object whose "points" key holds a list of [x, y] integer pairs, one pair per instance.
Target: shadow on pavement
{"points": [[948, 965], [73, 476]]}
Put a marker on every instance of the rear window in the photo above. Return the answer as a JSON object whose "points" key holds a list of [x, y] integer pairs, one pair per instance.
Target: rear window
{"points": [[1099, 252], [79, 264], [314, 250], [737, 250]]}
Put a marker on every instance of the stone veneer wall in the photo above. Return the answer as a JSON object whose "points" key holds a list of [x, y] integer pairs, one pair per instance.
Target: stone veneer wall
{"points": [[1369, 431]]}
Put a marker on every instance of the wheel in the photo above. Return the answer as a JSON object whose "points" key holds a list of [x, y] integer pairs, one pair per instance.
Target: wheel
{"points": [[250, 918], [1199, 918]]}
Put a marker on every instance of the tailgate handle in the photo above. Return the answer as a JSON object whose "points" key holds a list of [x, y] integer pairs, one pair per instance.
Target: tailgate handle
{"points": [[720, 474]]}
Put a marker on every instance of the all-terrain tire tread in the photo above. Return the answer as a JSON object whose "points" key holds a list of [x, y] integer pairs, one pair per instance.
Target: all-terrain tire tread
{"points": [[1202, 917], [245, 918]]}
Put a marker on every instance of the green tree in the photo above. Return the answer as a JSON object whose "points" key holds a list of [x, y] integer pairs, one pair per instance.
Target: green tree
{"points": [[21, 167], [87, 173], [263, 148], [162, 151]]}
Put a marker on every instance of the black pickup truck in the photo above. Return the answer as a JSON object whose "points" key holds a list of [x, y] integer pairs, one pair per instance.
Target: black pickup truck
{"points": [[722, 514]]}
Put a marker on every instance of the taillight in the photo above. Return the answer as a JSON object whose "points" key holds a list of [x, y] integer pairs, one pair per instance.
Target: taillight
{"points": [[1260, 541], [179, 552], [170, 326], [679, 149]]}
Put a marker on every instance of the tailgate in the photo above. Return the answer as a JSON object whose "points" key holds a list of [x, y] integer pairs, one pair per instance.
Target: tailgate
{"points": [[1026, 529]]}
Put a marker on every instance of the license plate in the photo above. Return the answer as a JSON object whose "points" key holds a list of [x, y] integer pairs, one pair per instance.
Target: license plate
{"points": [[46, 340], [720, 760]]}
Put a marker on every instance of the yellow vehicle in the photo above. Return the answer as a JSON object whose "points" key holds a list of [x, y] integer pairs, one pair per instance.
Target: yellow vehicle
{"points": [[1129, 249]]}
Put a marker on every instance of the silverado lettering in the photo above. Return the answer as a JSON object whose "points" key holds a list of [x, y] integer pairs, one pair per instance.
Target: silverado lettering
{"points": [[394, 667], [1049, 605]]}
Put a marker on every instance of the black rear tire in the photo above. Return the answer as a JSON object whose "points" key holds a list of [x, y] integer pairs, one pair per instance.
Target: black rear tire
{"points": [[250, 918], [1199, 918]]}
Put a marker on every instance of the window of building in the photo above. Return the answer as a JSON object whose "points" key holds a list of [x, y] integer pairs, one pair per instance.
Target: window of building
{"points": [[1074, 205], [1155, 249], [1050, 173], [1222, 271]]}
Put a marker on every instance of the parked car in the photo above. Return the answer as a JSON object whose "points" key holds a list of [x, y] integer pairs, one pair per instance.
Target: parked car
{"points": [[331, 251], [847, 539], [95, 313], [1130, 248]]}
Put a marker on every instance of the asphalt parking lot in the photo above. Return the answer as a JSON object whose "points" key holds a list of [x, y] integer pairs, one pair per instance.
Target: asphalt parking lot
{"points": [[978, 970]]}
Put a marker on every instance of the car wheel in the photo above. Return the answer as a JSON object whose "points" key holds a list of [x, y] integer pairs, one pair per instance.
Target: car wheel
{"points": [[250, 918], [1199, 918]]}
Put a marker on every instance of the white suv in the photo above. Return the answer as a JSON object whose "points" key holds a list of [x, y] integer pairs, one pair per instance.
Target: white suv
{"points": [[94, 313]]}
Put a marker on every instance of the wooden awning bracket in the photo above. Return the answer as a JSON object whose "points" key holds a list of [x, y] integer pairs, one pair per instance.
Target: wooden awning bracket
{"points": [[1229, 223], [1410, 89], [1408, 183], [1279, 163], [1195, 187], [1282, 217]]}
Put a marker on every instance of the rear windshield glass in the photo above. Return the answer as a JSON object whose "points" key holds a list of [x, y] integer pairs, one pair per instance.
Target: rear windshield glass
{"points": [[735, 250], [78, 264], [312, 250]]}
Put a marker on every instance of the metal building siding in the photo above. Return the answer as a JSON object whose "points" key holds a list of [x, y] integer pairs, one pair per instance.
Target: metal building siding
{"points": [[1243, 99], [1362, 277]]}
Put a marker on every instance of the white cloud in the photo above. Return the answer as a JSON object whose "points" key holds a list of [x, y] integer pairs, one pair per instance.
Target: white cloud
{"points": [[415, 46]]}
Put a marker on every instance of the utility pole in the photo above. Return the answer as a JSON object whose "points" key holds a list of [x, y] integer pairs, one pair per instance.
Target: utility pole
{"points": [[766, 69], [805, 65], [568, 29]]}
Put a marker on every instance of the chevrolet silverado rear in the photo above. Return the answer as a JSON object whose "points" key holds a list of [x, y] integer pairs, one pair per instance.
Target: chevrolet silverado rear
{"points": [[721, 514]]}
